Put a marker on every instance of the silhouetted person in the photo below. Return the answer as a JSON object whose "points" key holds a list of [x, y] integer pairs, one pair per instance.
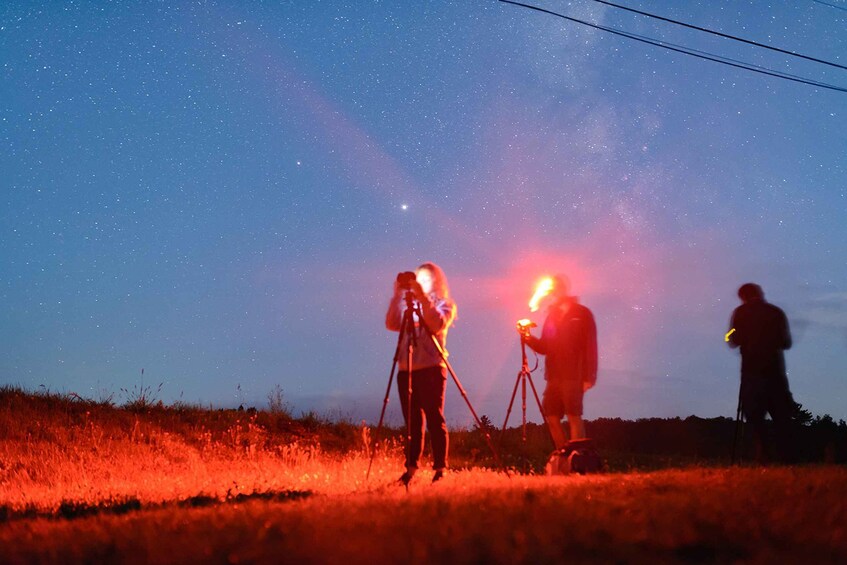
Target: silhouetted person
{"points": [[569, 342], [761, 331]]}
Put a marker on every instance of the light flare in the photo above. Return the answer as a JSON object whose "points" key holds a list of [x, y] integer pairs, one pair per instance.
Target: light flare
{"points": [[544, 287]]}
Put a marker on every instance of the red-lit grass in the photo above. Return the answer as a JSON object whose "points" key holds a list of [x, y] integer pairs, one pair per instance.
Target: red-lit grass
{"points": [[63, 457], [55, 451], [699, 515]]}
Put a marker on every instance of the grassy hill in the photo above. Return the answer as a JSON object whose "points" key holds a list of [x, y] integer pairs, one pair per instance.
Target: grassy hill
{"points": [[61, 452], [149, 483]]}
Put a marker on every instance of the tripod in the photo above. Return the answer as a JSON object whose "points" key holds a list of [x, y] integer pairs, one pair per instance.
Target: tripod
{"points": [[407, 328], [524, 375], [739, 429]]}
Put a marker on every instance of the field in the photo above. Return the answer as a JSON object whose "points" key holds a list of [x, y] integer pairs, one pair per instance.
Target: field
{"points": [[85, 482]]}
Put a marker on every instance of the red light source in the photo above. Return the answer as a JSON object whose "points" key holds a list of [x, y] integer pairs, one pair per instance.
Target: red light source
{"points": [[544, 287]]}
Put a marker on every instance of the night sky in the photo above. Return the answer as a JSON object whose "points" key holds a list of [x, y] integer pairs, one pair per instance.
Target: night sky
{"points": [[221, 194]]}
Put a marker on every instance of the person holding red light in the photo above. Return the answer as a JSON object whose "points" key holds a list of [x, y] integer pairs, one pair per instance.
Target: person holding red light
{"points": [[569, 343]]}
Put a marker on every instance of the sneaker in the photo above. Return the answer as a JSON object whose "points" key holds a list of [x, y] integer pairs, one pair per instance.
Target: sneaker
{"points": [[439, 474]]}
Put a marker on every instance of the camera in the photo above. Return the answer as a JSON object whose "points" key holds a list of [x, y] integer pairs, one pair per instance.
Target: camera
{"points": [[524, 327], [406, 279]]}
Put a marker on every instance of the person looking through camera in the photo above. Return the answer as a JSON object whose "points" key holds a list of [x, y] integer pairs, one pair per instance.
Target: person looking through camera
{"points": [[569, 343], [429, 371]]}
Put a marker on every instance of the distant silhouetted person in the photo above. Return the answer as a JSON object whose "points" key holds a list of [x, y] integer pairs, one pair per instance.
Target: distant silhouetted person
{"points": [[761, 331], [569, 342]]}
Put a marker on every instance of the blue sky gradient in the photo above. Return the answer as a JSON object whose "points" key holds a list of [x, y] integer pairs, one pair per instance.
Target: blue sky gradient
{"points": [[222, 193]]}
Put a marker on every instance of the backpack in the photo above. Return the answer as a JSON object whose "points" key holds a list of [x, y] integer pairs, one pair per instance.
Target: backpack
{"points": [[578, 456]]}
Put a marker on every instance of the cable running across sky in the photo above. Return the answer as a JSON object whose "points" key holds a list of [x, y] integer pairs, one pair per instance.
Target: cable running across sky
{"points": [[719, 34], [685, 50]]}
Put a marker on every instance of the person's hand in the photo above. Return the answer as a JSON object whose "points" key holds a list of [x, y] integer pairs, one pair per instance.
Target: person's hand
{"points": [[524, 327]]}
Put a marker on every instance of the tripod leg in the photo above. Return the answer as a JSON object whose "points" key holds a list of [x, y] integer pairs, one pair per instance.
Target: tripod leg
{"points": [[509, 411], [739, 428], [473, 412], [381, 417], [464, 394], [523, 410], [541, 410], [403, 332], [409, 409]]}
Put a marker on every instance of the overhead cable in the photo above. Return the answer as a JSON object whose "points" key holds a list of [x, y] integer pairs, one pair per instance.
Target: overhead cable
{"points": [[724, 35], [830, 5], [685, 50]]}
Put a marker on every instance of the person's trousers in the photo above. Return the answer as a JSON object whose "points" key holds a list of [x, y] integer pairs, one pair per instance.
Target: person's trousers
{"points": [[768, 394], [428, 387]]}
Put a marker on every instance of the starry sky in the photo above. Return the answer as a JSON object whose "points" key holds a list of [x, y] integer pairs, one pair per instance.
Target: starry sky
{"points": [[221, 194]]}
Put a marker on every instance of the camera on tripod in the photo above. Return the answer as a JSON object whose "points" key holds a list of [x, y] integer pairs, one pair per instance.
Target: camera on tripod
{"points": [[524, 327], [406, 280]]}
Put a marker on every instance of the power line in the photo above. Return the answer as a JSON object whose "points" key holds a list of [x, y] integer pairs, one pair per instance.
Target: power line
{"points": [[724, 35], [685, 50], [830, 5], [712, 56], [724, 60]]}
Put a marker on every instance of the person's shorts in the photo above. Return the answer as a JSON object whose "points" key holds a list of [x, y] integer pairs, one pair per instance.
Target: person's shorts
{"points": [[561, 398]]}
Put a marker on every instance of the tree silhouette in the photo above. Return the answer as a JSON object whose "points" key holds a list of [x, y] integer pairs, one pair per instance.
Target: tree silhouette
{"points": [[801, 415]]}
